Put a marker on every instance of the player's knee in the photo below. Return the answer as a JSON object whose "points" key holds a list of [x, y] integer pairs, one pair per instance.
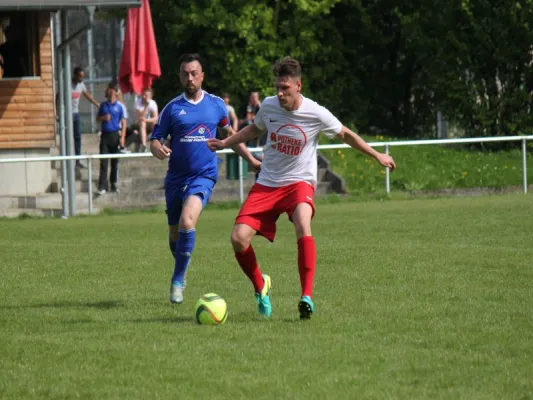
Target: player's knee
{"points": [[187, 221], [302, 230], [239, 240]]}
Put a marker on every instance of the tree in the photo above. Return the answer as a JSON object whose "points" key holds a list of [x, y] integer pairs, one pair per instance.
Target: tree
{"points": [[386, 66], [239, 40]]}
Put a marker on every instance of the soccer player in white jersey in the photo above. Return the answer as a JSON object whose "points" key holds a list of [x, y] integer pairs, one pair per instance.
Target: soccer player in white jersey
{"points": [[288, 178]]}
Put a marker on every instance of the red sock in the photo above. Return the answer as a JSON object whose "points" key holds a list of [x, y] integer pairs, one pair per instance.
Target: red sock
{"points": [[306, 263], [248, 263]]}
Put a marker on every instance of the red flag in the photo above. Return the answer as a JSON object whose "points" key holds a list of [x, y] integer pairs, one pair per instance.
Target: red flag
{"points": [[139, 64]]}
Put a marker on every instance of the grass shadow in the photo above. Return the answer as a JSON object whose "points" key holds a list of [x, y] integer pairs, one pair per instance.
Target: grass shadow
{"points": [[163, 320], [293, 320], [100, 305]]}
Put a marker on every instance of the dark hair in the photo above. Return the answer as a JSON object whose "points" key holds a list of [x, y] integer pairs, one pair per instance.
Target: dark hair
{"points": [[148, 89], [77, 70], [113, 85], [287, 67], [187, 58], [225, 94]]}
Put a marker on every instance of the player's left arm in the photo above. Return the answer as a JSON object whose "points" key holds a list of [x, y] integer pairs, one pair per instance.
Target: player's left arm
{"points": [[161, 131], [352, 139], [242, 150]]}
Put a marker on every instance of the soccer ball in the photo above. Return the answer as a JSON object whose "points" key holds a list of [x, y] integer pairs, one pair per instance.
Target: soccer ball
{"points": [[211, 309]]}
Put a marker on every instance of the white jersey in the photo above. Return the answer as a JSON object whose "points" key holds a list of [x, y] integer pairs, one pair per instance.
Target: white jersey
{"points": [[290, 151], [77, 90]]}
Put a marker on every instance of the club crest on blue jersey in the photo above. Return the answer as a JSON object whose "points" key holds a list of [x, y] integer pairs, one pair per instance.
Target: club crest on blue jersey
{"points": [[189, 126], [201, 133]]}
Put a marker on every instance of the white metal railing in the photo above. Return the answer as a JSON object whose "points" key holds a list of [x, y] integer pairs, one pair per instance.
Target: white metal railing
{"points": [[386, 145]]}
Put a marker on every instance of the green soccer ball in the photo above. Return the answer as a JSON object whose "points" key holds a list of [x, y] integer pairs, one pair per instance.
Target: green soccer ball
{"points": [[211, 309]]}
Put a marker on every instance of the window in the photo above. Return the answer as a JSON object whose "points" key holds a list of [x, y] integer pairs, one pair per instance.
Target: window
{"points": [[19, 44]]}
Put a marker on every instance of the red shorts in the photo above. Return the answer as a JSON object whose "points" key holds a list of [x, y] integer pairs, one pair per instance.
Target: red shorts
{"points": [[265, 204]]}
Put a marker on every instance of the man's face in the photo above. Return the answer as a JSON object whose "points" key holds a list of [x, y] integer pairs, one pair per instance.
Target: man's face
{"points": [[191, 77], [288, 91], [254, 98], [147, 96], [79, 76], [226, 99]]}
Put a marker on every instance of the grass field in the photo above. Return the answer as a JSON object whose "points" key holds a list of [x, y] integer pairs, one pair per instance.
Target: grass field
{"points": [[429, 167], [416, 299]]}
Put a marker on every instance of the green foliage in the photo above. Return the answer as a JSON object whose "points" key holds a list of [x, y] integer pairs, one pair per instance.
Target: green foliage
{"points": [[388, 66], [240, 41], [428, 168]]}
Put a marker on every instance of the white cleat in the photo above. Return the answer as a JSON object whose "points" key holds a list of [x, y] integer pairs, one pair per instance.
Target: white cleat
{"points": [[176, 294]]}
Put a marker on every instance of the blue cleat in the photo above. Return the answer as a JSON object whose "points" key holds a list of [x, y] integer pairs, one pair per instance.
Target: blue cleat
{"points": [[263, 298], [306, 307]]}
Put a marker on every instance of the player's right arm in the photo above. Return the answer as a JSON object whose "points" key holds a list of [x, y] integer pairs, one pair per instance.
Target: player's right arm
{"points": [[160, 133], [244, 135]]}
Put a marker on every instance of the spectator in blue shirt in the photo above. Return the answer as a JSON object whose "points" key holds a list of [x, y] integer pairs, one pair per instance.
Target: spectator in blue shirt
{"points": [[113, 128]]}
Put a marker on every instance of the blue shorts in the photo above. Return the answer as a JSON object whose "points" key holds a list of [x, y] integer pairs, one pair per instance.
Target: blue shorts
{"points": [[177, 192]]}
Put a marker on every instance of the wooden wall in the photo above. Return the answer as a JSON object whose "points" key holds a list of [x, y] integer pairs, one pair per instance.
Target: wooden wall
{"points": [[27, 118]]}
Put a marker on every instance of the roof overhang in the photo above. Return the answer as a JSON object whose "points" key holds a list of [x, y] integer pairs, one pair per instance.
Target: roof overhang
{"points": [[22, 5]]}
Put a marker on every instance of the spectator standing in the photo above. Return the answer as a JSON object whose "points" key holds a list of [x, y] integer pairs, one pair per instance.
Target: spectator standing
{"points": [[252, 109], [254, 104], [113, 128], [129, 132], [147, 114], [79, 88], [231, 112]]}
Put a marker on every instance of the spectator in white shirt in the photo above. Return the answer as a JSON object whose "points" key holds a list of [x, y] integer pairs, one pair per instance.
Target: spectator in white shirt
{"points": [[79, 89], [147, 114]]}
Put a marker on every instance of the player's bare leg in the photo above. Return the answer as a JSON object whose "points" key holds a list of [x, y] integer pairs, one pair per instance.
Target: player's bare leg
{"points": [[185, 237], [306, 257], [241, 239]]}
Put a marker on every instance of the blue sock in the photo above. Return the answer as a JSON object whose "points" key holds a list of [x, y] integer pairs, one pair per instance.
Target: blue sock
{"points": [[184, 248], [172, 245]]}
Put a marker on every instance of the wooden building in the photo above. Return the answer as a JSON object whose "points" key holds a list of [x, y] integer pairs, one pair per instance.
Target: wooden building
{"points": [[27, 118], [28, 88]]}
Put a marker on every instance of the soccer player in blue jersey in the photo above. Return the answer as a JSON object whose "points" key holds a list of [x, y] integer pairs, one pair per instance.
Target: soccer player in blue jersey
{"points": [[190, 120]]}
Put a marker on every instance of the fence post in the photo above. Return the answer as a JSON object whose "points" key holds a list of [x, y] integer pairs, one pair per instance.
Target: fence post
{"points": [[241, 181], [90, 187], [524, 164], [90, 65], [387, 173], [69, 132], [61, 113]]}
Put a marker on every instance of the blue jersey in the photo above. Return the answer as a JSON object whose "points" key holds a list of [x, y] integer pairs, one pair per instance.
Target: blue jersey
{"points": [[189, 126], [116, 111]]}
